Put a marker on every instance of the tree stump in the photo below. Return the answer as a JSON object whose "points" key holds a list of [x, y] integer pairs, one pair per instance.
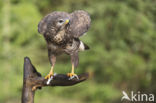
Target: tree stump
{"points": [[32, 80]]}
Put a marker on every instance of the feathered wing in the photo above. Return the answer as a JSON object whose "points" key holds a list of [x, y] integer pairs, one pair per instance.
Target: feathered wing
{"points": [[42, 26], [79, 23]]}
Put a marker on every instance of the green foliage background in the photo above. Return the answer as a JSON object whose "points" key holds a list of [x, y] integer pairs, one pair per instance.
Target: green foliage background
{"points": [[122, 39]]}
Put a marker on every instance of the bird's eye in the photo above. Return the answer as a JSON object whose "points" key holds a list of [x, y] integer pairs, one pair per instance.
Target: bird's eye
{"points": [[60, 21]]}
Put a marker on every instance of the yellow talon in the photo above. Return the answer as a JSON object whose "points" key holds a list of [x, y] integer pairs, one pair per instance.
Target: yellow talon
{"points": [[71, 74], [50, 73], [48, 76]]}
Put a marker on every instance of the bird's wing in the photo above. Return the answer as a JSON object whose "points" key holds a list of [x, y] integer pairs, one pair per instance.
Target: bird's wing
{"points": [[42, 26], [79, 23]]}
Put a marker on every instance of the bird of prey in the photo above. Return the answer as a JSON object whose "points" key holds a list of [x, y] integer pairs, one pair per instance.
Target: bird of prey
{"points": [[61, 31]]}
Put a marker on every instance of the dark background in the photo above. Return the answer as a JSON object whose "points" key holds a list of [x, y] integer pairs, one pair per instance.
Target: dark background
{"points": [[122, 39]]}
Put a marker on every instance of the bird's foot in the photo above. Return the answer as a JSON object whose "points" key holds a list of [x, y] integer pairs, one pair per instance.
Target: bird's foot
{"points": [[72, 75], [49, 76]]}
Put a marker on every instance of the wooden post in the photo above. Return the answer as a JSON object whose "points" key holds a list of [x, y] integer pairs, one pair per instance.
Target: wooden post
{"points": [[32, 80]]}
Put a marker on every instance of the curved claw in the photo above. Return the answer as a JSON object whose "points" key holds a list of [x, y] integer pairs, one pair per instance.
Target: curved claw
{"points": [[51, 78], [48, 76], [72, 76]]}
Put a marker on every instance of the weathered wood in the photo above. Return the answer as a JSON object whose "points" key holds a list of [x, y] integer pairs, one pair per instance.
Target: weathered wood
{"points": [[32, 80]]}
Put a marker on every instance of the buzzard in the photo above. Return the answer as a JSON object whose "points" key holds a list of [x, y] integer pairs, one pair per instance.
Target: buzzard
{"points": [[61, 31]]}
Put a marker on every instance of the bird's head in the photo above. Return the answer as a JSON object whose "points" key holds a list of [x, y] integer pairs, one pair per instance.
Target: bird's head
{"points": [[61, 23], [54, 22]]}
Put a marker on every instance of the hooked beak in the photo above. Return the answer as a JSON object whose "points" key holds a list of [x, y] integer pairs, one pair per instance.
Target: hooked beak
{"points": [[66, 22]]}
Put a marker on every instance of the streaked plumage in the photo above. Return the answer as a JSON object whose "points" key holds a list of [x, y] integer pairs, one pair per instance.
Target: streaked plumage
{"points": [[62, 30]]}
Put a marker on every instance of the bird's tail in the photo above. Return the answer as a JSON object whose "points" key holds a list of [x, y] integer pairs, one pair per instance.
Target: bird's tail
{"points": [[83, 46]]}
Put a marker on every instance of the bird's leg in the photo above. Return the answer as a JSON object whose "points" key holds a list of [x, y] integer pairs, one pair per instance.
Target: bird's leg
{"points": [[72, 74], [51, 73]]}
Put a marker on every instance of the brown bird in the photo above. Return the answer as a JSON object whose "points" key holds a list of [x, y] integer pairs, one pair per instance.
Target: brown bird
{"points": [[61, 31]]}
